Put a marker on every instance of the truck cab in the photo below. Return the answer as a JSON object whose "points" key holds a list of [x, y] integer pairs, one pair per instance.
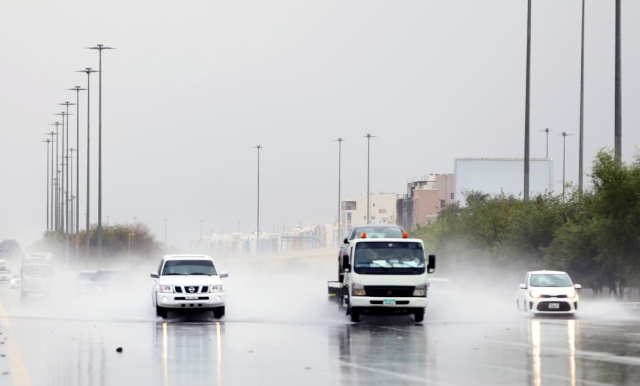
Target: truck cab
{"points": [[386, 276]]}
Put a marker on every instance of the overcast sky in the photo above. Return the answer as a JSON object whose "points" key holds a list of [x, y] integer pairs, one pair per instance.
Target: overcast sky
{"points": [[194, 85]]}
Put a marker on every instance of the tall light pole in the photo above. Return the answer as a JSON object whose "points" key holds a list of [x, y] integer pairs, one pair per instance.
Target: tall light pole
{"points": [[88, 71], [546, 131], [52, 134], [581, 145], [77, 89], [339, 140], [618, 88], [100, 48], [258, 147], [165, 233], [67, 104], [47, 141], [71, 208], [368, 137], [56, 199], [526, 104], [564, 158]]}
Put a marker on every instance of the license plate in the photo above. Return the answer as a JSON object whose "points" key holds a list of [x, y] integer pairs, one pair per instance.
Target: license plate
{"points": [[191, 297], [389, 301], [554, 306]]}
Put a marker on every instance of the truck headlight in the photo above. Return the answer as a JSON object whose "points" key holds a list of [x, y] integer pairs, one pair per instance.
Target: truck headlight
{"points": [[216, 288], [165, 289], [420, 291], [357, 290]]}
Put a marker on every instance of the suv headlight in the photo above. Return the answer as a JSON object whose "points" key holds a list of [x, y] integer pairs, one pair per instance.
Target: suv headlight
{"points": [[216, 288], [165, 289], [420, 291], [357, 290]]}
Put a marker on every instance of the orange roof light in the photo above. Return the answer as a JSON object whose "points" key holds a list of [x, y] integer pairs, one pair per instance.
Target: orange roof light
{"points": [[363, 235], [405, 235]]}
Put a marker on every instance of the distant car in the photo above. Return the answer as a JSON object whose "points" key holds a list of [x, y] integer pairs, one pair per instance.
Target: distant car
{"points": [[373, 232], [188, 282], [5, 276], [15, 280], [109, 278], [548, 292], [85, 280]]}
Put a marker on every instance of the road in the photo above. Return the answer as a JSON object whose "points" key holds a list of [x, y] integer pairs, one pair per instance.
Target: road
{"points": [[281, 330]]}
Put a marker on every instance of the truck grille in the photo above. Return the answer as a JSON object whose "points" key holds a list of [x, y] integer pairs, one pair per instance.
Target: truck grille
{"points": [[389, 291]]}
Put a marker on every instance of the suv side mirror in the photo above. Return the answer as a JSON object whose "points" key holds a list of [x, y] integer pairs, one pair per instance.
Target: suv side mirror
{"points": [[577, 286], [522, 286], [346, 240], [223, 275], [153, 275], [431, 267]]}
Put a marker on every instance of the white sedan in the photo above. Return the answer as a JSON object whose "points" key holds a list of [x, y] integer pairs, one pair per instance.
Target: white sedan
{"points": [[548, 292], [188, 282]]}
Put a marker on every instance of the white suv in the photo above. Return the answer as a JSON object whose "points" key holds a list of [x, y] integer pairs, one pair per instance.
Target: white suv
{"points": [[187, 282], [548, 292]]}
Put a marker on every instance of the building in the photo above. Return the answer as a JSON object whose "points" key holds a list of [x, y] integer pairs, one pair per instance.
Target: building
{"points": [[425, 198], [382, 210]]}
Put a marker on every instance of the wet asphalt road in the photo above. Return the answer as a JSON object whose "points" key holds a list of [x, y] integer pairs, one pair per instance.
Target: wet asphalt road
{"points": [[301, 338]]}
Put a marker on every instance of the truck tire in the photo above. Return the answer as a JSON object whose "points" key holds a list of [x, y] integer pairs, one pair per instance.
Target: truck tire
{"points": [[355, 315], [162, 312], [418, 316], [218, 312]]}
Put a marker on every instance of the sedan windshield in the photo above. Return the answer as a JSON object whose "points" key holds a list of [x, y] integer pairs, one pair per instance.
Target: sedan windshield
{"points": [[551, 280], [189, 267], [378, 258]]}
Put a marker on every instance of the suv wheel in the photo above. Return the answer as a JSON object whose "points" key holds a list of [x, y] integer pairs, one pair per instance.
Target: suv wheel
{"points": [[355, 315], [418, 316], [162, 312], [218, 312]]}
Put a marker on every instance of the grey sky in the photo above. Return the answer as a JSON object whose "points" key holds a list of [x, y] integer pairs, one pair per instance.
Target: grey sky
{"points": [[194, 85]]}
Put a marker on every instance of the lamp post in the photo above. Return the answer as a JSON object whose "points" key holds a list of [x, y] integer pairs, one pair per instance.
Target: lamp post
{"points": [[339, 140], [546, 131], [258, 147], [47, 141], [71, 208], [88, 71], [526, 104], [100, 48], [581, 145], [564, 136], [77, 89], [67, 178], [618, 87], [56, 199], [368, 137], [51, 227]]}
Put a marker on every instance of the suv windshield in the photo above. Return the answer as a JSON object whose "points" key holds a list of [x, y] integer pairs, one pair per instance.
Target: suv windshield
{"points": [[378, 258], [378, 232], [550, 280], [189, 267]]}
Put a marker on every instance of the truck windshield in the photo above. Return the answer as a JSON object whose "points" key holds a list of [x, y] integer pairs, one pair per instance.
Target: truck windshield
{"points": [[551, 280], [37, 270], [189, 267], [379, 258]]}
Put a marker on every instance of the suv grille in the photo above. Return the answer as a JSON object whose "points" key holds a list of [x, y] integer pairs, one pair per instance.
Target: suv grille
{"points": [[187, 289], [386, 291]]}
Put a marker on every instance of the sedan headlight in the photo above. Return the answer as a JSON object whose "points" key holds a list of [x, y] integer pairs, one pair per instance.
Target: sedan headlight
{"points": [[165, 289], [534, 294], [357, 290], [572, 294], [216, 288], [420, 291]]}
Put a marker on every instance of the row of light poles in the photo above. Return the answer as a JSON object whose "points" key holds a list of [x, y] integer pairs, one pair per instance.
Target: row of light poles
{"points": [[617, 100], [63, 206]]}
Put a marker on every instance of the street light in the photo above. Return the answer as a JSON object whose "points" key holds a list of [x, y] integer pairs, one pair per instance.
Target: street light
{"points": [[339, 140], [581, 151], [71, 209], [564, 136], [77, 89], [57, 141], [47, 141], [258, 147], [526, 104], [368, 137], [52, 134], [546, 131], [618, 88], [88, 71], [100, 48]]}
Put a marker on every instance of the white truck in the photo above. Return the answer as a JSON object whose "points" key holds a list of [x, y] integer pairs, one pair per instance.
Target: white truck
{"points": [[386, 276], [36, 273]]}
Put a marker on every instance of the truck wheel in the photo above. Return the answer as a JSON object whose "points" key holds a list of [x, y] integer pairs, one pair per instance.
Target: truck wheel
{"points": [[355, 315], [162, 312], [418, 316], [218, 312]]}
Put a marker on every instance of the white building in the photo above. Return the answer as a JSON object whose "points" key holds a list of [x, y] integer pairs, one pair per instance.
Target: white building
{"points": [[382, 210]]}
